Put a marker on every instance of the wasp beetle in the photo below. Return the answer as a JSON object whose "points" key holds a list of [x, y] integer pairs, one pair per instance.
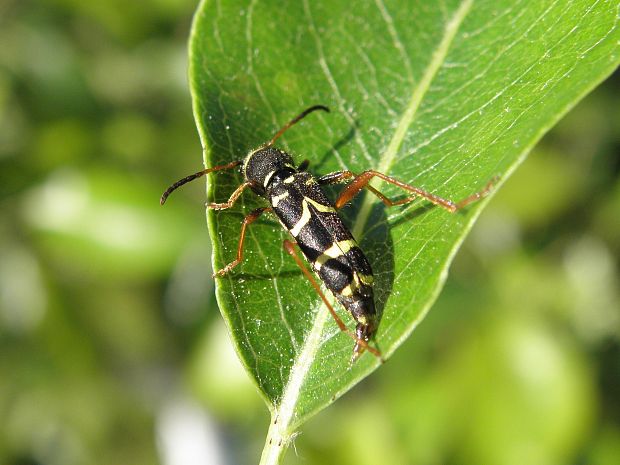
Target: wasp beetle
{"points": [[296, 198]]}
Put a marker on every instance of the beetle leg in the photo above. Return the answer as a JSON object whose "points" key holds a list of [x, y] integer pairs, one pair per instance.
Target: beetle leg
{"points": [[342, 176], [231, 201], [360, 181], [249, 219], [360, 344]]}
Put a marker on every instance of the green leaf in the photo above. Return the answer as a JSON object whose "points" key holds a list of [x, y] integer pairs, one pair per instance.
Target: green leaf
{"points": [[442, 95]]}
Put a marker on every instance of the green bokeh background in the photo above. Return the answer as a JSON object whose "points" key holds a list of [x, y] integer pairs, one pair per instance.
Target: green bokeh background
{"points": [[111, 346]]}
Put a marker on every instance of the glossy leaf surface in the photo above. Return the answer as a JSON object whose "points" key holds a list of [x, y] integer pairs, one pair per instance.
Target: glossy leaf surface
{"points": [[442, 95]]}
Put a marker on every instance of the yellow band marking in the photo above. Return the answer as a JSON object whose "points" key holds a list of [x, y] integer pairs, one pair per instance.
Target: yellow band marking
{"points": [[347, 291], [305, 217], [335, 250], [352, 287], [320, 207], [276, 198]]}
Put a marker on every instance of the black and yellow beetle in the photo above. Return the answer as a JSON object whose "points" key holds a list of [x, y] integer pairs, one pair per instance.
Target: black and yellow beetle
{"points": [[296, 198]]}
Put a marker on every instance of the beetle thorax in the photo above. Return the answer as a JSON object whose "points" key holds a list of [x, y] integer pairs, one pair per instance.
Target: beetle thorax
{"points": [[260, 165]]}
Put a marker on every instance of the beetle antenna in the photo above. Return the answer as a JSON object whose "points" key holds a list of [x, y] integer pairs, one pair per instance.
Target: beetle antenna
{"points": [[297, 118]]}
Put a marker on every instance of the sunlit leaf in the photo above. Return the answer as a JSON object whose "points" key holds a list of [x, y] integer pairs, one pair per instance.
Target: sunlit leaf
{"points": [[442, 95]]}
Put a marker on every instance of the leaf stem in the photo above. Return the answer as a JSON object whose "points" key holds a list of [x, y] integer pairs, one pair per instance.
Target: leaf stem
{"points": [[276, 444], [280, 430]]}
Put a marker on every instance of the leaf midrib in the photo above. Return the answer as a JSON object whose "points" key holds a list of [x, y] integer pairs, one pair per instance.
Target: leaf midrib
{"points": [[419, 91], [292, 389]]}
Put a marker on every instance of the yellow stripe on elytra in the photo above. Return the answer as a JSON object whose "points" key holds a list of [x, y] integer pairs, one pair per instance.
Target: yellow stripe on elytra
{"points": [[336, 250], [320, 207], [305, 213], [305, 218], [276, 198], [353, 286], [347, 291]]}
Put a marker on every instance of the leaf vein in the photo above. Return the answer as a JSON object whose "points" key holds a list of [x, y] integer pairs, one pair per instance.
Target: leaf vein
{"points": [[418, 93]]}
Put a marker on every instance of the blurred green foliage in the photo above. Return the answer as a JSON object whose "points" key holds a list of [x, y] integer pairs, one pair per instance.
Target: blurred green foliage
{"points": [[107, 319]]}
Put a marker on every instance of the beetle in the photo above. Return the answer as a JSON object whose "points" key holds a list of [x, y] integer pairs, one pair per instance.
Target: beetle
{"points": [[296, 198]]}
